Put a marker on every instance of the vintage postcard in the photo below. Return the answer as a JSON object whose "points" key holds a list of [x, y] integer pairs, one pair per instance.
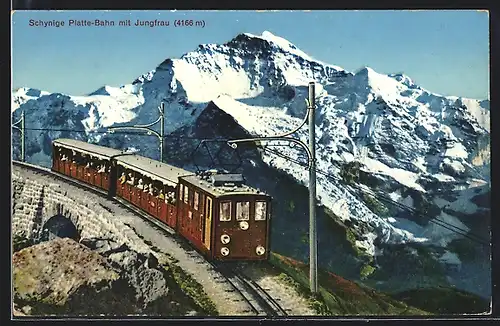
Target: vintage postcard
{"points": [[258, 164]]}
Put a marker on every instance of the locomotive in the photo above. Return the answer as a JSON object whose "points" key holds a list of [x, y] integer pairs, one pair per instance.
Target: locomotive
{"points": [[219, 214]]}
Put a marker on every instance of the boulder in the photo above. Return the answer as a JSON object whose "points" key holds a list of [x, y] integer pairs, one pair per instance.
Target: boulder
{"points": [[147, 281], [62, 276], [103, 246], [143, 276]]}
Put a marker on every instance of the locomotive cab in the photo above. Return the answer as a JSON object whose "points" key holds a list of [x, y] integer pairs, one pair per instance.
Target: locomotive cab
{"points": [[224, 217]]}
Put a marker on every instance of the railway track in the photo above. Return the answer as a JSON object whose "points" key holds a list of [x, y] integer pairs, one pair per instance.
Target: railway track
{"points": [[262, 303], [257, 298]]}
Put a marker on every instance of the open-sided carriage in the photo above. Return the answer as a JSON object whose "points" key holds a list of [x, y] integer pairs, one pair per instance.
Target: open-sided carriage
{"points": [[149, 185], [86, 162]]}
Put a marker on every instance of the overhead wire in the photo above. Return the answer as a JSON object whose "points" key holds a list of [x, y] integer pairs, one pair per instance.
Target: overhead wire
{"points": [[137, 133], [435, 220]]}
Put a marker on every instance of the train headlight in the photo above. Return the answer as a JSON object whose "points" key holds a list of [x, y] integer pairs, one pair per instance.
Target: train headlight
{"points": [[224, 251], [225, 239], [244, 225], [260, 250]]}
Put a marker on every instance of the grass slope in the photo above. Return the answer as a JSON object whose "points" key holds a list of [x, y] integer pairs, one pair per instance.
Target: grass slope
{"points": [[338, 296]]}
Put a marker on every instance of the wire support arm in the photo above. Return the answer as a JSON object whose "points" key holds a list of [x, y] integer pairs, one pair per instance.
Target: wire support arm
{"points": [[151, 131], [234, 144]]}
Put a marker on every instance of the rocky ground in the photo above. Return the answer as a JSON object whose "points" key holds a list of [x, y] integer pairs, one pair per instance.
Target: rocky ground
{"points": [[94, 277], [100, 277]]}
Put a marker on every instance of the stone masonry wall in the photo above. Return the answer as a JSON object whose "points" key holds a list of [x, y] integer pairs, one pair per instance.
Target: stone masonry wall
{"points": [[37, 197]]}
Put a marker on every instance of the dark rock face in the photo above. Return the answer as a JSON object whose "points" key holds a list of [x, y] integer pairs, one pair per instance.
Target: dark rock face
{"points": [[20, 242], [251, 45], [212, 123]]}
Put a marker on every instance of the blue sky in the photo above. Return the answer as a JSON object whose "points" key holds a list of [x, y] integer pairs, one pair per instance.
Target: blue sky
{"points": [[446, 52]]}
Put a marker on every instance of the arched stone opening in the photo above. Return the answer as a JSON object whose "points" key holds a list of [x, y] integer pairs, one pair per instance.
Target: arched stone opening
{"points": [[59, 226]]}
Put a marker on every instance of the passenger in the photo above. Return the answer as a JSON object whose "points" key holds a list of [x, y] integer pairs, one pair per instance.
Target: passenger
{"points": [[161, 195], [145, 188], [64, 158], [123, 178], [131, 181], [102, 169], [171, 198], [140, 184], [88, 165], [151, 189]]}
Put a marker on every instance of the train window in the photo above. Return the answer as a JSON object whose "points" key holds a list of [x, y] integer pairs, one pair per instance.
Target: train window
{"points": [[260, 210], [130, 176], [196, 200], [64, 155], [78, 158], [157, 186], [191, 200], [225, 211], [243, 211], [186, 194], [101, 167]]}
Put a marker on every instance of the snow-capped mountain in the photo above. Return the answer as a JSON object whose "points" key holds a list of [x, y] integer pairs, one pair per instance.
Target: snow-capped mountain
{"points": [[416, 146]]}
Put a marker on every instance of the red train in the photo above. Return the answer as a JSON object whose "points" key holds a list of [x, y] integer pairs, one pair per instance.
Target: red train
{"points": [[220, 215]]}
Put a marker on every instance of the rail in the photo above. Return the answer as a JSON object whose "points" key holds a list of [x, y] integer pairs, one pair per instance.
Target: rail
{"points": [[262, 303]]}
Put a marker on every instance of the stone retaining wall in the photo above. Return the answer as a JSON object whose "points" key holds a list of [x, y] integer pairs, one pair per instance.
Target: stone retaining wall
{"points": [[38, 197]]}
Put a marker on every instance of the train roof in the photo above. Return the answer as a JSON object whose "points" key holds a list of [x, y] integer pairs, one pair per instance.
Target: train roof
{"points": [[155, 170], [96, 150], [221, 190]]}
